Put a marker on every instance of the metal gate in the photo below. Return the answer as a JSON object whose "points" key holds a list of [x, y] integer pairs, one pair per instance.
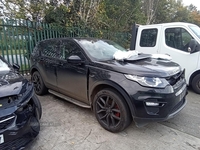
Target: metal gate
{"points": [[19, 37]]}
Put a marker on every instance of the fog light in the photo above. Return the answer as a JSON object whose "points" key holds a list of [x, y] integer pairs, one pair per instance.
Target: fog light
{"points": [[152, 104]]}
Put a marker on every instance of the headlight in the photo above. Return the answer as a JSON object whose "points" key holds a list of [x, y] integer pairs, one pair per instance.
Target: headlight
{"points": [[148, 81]]}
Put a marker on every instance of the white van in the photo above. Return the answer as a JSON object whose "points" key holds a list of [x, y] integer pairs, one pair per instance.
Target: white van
{"points": [[179, 40]]}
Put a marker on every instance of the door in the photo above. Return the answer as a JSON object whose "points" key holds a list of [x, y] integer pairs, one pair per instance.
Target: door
{"points": [[148, 39], [176, 45], [49, 61], [72, 78]]}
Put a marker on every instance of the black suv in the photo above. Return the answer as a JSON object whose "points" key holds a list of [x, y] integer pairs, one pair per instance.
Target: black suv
{"points": [[20, 109], [85, 72]]}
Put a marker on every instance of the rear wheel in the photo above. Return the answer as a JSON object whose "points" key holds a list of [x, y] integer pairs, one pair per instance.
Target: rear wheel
{"points": [[39, 87], [196, 83], [111, 110]]}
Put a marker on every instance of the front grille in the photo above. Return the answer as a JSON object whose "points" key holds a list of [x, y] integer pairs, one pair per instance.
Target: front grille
{"points": [[6, 121], [15, 144], [177, 79]]}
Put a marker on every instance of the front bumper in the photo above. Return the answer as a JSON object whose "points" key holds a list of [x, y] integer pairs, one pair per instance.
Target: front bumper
{"points": [[167, 102], [19, 125]]}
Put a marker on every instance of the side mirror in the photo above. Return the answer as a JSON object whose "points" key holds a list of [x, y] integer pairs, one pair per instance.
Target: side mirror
{"points": [[16, 67], [193, 46], [74, 59]]}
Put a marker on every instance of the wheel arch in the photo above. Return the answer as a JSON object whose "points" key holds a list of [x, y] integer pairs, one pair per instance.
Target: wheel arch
{"points": [[33, 70], [108, 84], [193, 75]]}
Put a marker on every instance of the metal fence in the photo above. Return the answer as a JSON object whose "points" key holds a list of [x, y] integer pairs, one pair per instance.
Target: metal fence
{"points": [[18, 38]]}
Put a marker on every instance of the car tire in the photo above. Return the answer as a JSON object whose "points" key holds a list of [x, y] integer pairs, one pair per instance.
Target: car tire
{"points": [[111, 110], [39, 86], [196, 84], [38, 105]]}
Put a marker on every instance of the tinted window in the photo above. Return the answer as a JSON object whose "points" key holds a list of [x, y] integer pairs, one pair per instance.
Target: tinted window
{"points": [[69, 48], [51, 48], [148, 38], [177, 38]]}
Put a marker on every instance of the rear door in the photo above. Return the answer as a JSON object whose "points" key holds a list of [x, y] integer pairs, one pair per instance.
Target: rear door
{"points": [[148, 39], [50, 54], [72, 78]]}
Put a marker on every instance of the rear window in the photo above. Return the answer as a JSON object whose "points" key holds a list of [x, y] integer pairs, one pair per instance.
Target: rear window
{"points": [[50, 48], [148, 37]]}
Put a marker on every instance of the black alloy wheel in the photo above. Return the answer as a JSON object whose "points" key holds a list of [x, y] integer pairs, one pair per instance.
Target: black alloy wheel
{"points": [[111, 110], [39, 87]]}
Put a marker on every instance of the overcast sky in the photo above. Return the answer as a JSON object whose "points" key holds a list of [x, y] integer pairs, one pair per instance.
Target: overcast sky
{"points": [[194, 2]]}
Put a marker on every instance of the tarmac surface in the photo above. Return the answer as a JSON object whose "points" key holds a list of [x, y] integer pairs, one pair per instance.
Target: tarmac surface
{"points": [[65, 126]]}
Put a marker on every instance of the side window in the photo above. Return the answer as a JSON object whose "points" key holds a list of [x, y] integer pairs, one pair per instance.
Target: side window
{"points": [[51, 48], [148, 37], [69, 48], [177, 38], [36, 50]]}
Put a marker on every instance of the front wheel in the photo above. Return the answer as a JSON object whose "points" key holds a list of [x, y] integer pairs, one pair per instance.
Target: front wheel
{"points": [[196, 84], [111, 110]]}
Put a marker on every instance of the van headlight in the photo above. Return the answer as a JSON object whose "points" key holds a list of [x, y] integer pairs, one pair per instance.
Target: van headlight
{"points": [[148, 81]]}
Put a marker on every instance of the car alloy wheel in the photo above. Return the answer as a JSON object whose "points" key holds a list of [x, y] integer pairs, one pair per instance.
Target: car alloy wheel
{"points": [[39, 86], [111, 110]]}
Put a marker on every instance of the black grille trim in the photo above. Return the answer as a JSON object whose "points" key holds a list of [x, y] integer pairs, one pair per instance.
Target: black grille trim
{"points": [[15, 144], [6, 121]]}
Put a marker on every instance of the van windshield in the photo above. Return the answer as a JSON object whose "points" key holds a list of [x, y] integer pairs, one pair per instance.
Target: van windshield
{"points": [[196, 30]]}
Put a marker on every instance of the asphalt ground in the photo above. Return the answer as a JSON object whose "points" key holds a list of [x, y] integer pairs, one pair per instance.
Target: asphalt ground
{"points": [[65, 126]]}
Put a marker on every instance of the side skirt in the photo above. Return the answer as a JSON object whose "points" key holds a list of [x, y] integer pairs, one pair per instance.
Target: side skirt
{"points": [[74, 101]]}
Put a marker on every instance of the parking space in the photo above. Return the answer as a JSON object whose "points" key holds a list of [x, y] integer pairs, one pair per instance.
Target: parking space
{"points": [[65, 126]]}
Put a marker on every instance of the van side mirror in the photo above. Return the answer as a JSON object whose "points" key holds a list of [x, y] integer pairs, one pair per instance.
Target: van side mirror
{"points": [[193, 46]]}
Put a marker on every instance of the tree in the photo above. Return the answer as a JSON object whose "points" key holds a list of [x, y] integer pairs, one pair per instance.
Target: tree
{"points": [[23, 9], [165, 11], [120, 16], [192, 8], [181, 14], [73, 12], [150, 8]]}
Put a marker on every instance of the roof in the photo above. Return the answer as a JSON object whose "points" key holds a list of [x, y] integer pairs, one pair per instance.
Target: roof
{"points": [[171, 24]]}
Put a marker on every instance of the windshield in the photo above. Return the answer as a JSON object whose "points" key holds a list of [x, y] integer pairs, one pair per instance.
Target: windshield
{"points": [[100, 49], [196, 30], [3, 66]]}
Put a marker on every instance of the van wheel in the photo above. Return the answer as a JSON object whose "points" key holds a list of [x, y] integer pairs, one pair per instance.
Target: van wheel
{"points": [[111, 110], [196, 84], [39, 87]]}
